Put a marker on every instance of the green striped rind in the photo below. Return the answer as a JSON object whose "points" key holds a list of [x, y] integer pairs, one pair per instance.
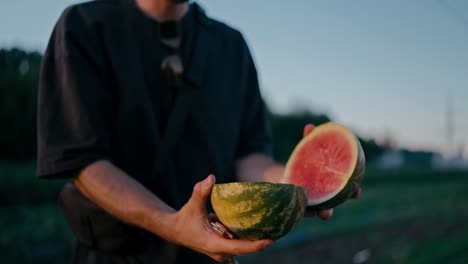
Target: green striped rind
{"points": [[351, 186], [259, 210]]}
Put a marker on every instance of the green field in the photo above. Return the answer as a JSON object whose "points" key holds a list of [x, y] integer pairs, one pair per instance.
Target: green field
{"points": [[403, 216], [32, 228]]}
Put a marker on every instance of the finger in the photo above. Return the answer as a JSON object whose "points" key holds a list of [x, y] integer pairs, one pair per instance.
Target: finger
{"points": [[357, 194], [219, 227], [221, 230], [307, 129], [241, 247], [201, 191], [326, 214], [213, 218], [221, 257]]}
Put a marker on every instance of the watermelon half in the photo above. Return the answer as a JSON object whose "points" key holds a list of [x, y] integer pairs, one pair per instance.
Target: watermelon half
{"points": [[259, 210], [329, 163]]}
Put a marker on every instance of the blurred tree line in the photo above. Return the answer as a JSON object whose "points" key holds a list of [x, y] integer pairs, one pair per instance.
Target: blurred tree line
{"points": [[287, 132], [19, 72]]}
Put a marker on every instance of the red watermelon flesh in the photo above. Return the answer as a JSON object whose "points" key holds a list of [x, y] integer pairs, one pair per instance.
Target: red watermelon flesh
{"points": [[329, 163]]}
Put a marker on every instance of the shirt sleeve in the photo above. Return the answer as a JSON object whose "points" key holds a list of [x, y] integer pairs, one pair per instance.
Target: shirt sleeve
{"points": [[75, 103], [255, 132]]}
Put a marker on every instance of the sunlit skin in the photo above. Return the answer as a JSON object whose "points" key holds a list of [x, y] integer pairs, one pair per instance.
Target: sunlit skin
{"points": [[125, 198], [162, 10]]}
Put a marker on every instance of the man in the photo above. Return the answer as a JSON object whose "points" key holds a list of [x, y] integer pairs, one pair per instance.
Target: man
{"points": [[111, 79]]}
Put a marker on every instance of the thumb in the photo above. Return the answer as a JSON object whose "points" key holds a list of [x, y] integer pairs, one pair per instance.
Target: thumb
{"points": [[308, 129], [201, 191]]}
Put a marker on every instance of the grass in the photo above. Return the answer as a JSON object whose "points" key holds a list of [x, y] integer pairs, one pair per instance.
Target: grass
{"points": [[34, 234], [404, 216], [443, 250], [32, 227], [401, 220], [19, 185]]}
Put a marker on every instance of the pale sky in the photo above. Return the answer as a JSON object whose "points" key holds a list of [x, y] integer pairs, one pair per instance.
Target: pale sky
{"points": [[380, 67]]}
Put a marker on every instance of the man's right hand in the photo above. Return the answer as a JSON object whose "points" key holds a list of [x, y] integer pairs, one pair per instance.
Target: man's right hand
{"points": [[193, 229], [126, 199]]}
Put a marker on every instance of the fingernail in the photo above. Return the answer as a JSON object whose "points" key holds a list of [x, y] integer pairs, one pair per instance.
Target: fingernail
{"points": [[267, 244], [207, 181]]}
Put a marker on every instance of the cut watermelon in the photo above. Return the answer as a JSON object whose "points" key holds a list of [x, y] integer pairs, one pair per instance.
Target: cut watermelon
{"points": [[329, 162]]}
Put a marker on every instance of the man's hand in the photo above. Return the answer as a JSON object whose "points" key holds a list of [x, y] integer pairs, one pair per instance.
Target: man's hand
{"points": [[324, 214], [193, 229], [261, 167], [128, 200]]}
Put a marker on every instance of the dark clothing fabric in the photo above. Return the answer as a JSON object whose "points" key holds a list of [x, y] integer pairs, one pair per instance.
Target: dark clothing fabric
{"points": [[152, 52], [101, 97], [153, 253]]}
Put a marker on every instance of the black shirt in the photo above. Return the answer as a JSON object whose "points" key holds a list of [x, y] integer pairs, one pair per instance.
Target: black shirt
{"points": [[152, 52], [100, 97]]}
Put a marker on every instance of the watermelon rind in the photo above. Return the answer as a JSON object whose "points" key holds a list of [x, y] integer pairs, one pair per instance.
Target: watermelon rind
{"points": [[259, 210], [354, 176], [353, 184]]}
